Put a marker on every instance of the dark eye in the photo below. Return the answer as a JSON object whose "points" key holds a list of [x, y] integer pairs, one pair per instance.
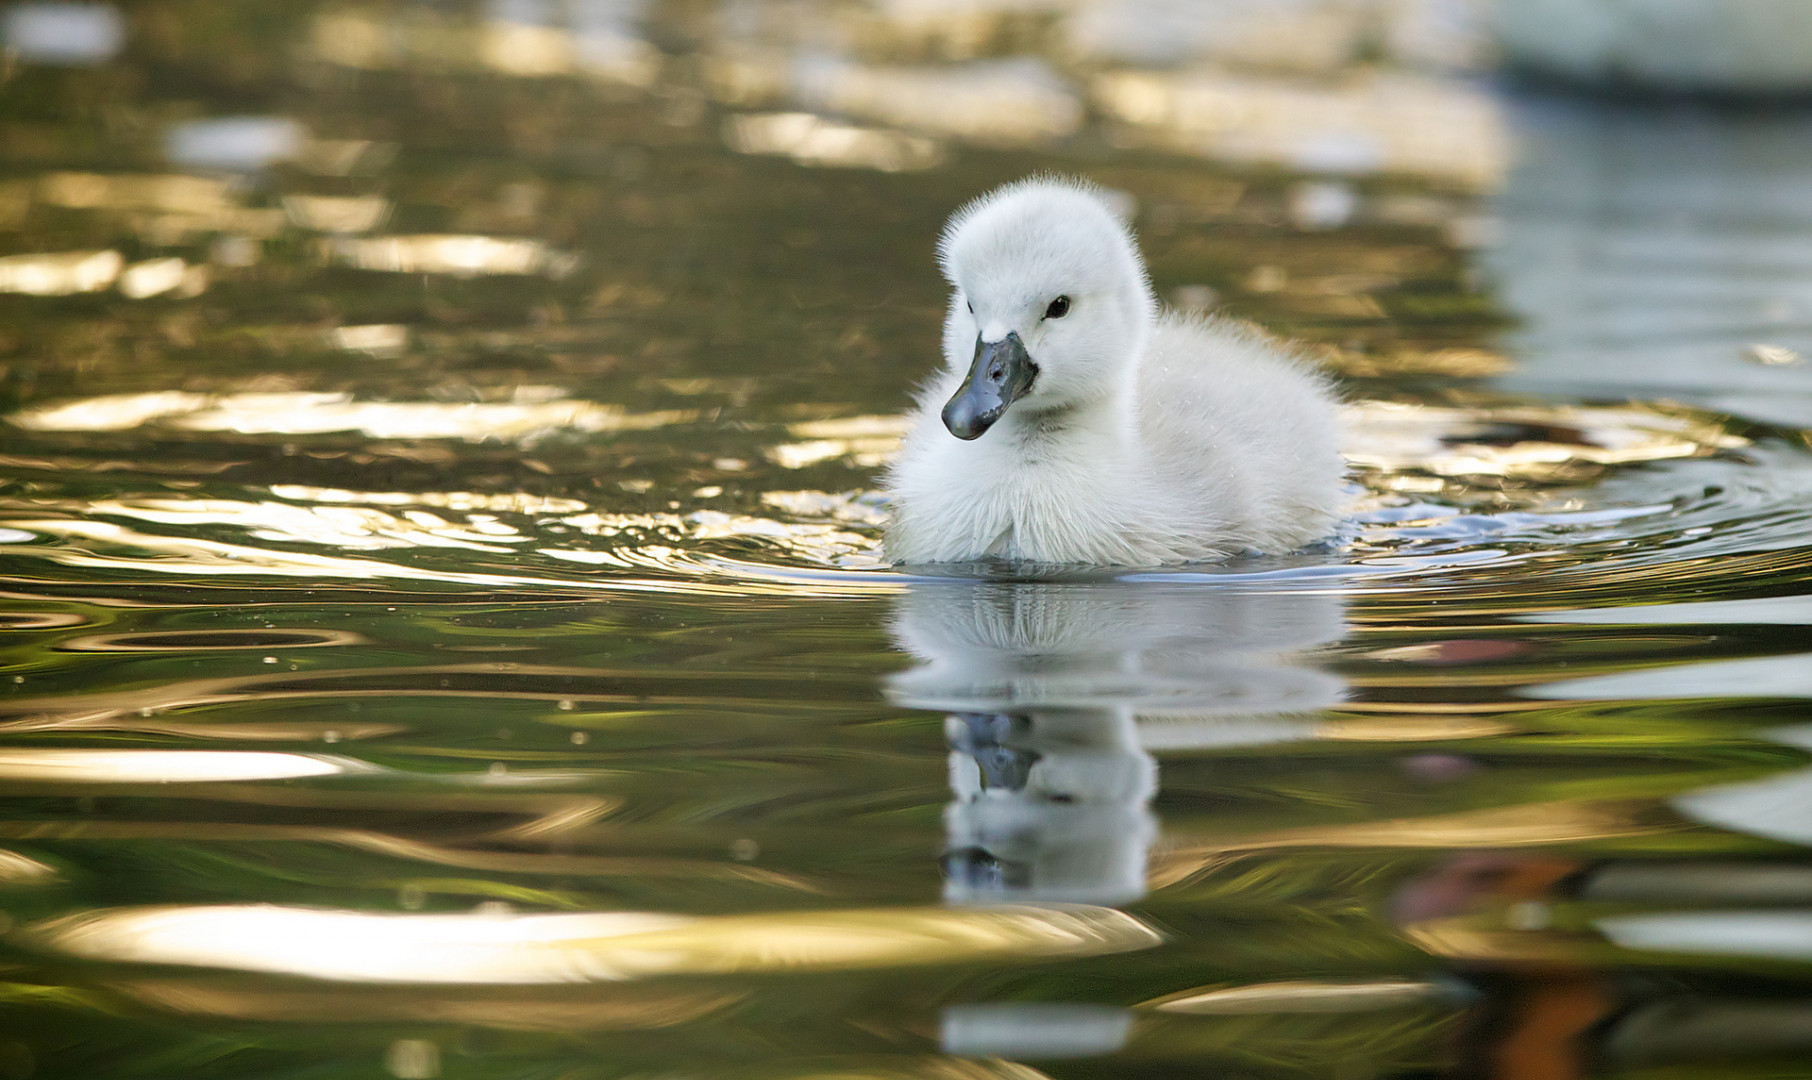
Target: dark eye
{"points": [[1058, 309], [971, 304]]}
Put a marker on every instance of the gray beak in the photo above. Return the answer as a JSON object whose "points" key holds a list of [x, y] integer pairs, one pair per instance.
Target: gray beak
{"points": [[1000, 374]]}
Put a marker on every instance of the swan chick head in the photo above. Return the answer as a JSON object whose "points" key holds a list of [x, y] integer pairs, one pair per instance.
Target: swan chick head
{"points": [[1051, 302]]}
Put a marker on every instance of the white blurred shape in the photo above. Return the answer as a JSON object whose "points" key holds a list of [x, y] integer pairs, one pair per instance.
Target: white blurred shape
{"points": [[1760, 611], [1788, 676], [1323, 204], [234, 143], [1779, 807], [1773, 935], [1742, 46], [66, 35], [1035, 1030]]}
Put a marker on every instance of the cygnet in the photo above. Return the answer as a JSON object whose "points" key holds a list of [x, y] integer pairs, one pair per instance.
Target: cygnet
{"points": [[1075, 422]]}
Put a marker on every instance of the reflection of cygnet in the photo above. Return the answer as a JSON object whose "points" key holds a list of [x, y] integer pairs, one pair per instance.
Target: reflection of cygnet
{"points": [[1055, 692], [1076, 424], [1048, 806]]}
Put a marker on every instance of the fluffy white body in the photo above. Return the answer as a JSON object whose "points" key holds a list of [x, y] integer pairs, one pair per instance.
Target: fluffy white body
{"points": [[1135, 438]]}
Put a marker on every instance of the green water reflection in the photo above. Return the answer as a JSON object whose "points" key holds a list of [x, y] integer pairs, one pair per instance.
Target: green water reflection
{"points": [[446, 634]]}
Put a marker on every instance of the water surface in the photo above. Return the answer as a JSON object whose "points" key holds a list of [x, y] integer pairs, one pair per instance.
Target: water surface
{"points": [[446, 630]]}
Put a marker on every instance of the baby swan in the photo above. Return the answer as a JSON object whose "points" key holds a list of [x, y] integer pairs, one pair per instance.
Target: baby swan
{"points": [[1076, 423]]}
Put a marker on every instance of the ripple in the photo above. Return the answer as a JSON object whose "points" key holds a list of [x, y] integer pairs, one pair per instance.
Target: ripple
{"points": [[38, 620], [613, 946], [1451, 495], [210, 640]]}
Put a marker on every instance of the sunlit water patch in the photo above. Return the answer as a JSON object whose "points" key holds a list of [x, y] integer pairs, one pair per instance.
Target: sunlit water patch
{"points": [[1438, 487], [447, 628]]}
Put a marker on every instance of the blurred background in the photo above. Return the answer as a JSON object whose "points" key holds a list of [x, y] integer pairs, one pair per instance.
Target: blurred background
{"points": [[443, 627]]}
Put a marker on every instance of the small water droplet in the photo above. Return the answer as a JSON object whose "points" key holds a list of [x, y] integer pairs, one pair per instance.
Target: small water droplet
{"points": [[146, 711], [497, 768], [579, 738], [567, 704], [744, 850], [412, 897], [330, 736], [270, 659]]}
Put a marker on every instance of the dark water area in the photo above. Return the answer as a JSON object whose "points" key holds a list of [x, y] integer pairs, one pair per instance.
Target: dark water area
{"points": [[444, 630]]}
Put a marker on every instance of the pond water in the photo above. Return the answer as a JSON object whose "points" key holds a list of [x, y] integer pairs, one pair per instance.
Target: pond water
{"points": [[446, 634]]}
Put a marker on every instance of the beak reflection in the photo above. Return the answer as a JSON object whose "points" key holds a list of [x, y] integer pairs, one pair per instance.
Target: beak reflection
{"points": [[1001, 373]]}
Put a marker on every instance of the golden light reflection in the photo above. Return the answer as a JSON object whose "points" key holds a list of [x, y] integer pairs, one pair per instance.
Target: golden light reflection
{"points": [[1302, 996], [346, 525], [1415, 447], [594, 44], [349, 527], [1536, 824], [59, 274], [1550, 443], [939, 1068], [303, 413], [1019, 102], [352, 946], [459, 256], [155, 277], [23, 871], [1399, 729], [172, 192], [604, 1008], [1441, 129], [86, 544], [456, 255], [847, 506], [212, 558], [813, 140], [252, 731], [92, 766], [1466, 939], [507, 503], [864, 441], [337, 213]]}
